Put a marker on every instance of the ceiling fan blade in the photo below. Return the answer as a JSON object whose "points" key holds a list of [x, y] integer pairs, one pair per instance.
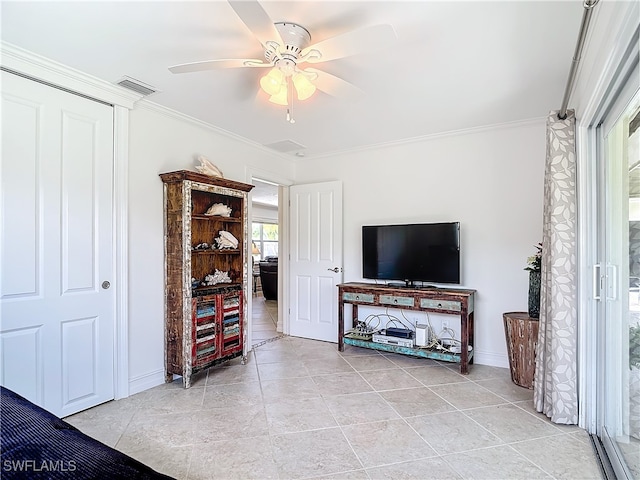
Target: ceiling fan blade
{"points": [[257, 20], [214, 64], [363, 40], [334, 86]]}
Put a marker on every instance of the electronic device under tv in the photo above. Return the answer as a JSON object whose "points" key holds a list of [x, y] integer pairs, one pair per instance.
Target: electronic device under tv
{"points": [[420, 252]]}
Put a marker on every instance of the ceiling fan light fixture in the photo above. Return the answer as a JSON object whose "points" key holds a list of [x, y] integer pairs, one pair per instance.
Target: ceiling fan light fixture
{"points": [[303, 86], [273, 82], [280, 98]]}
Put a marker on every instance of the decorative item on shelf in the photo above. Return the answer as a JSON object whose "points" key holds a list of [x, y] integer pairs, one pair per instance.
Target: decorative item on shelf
{"points": [[534, 264], [218, 277], [208, 168], [203, 246], [219, 209], [194, 282], [226, 240]]}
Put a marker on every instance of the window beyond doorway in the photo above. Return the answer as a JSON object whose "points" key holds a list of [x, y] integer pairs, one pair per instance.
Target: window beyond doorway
{"points": [[265, 237]]}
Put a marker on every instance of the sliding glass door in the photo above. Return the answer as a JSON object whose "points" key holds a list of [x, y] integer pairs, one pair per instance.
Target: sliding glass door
{"points": [[618, 286]]}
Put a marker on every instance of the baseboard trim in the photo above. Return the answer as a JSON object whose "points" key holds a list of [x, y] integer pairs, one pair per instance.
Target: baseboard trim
{"points": [[491, 359], [146, 381]]}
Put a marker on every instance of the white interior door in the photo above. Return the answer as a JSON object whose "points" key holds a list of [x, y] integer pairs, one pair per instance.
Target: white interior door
{"points": [[316, 260], [57, 323]]}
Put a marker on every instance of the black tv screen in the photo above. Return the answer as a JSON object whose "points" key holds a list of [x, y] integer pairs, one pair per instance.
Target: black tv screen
{"points": [[421, 252]]}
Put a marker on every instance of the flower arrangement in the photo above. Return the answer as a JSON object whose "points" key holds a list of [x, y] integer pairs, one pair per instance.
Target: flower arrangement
{"points": [[534, 262]]}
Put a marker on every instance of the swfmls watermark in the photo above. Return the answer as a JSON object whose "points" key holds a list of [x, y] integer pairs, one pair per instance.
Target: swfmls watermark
{"points": [[38, 465]]}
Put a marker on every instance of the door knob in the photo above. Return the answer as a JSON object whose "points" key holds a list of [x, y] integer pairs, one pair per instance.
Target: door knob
{"points": [[335, 269], [106, 285]]}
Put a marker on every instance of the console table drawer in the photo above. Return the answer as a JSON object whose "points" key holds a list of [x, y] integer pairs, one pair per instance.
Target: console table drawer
{"points": [[357, 297], [395, 300], [440, 304]]}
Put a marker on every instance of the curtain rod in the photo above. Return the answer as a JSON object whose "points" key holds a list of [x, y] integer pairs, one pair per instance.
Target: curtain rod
{"points": [[586, 18]]}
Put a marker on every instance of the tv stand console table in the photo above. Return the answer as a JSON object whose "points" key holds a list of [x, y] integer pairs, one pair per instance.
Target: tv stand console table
{"points": [[438, 300]]}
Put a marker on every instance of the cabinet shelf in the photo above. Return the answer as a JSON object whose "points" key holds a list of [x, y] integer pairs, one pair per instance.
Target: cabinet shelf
{"points": [[197, 290], [226, 251], [216, 218], [416, 352]]}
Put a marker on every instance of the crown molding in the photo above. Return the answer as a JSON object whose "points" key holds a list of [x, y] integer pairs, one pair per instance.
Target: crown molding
{"points": [[429, 137], [176, 115], [21, 61]]}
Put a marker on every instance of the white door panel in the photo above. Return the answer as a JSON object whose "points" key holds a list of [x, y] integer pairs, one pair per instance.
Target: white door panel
{"points": [[316, 249], [21, 204], [57, 324]]}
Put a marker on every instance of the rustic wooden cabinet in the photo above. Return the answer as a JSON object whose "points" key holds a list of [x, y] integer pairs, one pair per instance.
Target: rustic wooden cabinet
{"points": [[438, 300], [204, 318]]}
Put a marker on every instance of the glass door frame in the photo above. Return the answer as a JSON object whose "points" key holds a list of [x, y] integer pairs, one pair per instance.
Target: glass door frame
{"points": [[613, 314], [595, 280]]}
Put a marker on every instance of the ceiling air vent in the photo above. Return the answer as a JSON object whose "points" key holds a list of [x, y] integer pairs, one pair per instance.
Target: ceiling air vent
{"points": [[136, 85], [286, 146]]}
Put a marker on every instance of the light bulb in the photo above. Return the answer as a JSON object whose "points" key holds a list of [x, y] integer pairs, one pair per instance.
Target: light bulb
{"points": [[280, 98], [303, 86], [273, 81]]}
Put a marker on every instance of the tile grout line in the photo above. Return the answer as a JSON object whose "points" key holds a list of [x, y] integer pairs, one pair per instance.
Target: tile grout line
{"points": [[531, 461], [343, 434], [398, 413], [266, 418]]}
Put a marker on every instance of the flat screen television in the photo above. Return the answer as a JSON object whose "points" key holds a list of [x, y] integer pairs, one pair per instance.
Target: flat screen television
{"points": [[421, 252]]}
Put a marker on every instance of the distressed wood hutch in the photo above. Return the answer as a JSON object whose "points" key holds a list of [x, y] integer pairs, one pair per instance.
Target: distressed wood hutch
{"points": [[204, 324]]}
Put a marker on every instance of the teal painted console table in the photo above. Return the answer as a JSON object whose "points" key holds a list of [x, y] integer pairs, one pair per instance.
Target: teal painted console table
{"points": [[439, 300]]}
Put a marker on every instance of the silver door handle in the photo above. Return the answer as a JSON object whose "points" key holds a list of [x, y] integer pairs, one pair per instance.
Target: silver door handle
{"points": [[106, 285], [597, 282], [335, 269]]}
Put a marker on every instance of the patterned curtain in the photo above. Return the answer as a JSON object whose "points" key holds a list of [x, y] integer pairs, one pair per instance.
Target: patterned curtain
{"points": [[555, 389]]}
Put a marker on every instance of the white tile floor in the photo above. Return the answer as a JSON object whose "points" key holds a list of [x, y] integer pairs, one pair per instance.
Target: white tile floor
{"points": [[301, 409], [264, 319]]}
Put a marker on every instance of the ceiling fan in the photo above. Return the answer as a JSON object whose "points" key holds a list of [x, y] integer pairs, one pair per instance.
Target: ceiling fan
{"points": [[287, 46]]}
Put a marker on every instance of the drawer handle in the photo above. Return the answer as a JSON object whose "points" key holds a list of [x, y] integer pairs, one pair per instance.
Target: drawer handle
{"points": [[357, 297], [395, 301], [439, 305]]}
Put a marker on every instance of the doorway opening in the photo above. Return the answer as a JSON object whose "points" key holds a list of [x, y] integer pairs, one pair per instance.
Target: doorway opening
{"points": [[265, 268]]}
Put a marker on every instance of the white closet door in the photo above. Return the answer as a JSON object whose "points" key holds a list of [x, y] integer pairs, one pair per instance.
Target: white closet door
{"points": [[57, 323]]}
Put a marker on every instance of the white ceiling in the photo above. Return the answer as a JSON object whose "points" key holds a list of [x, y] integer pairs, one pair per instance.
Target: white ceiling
{"points": [[455, 65], [264, 193]]}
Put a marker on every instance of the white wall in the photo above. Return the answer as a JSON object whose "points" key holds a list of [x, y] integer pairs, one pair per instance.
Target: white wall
{"points": [[491, 180], [161, 142]]}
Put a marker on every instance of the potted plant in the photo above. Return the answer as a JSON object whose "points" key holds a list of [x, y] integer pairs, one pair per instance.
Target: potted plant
{"points": [[634, 381], [534, 266]]}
